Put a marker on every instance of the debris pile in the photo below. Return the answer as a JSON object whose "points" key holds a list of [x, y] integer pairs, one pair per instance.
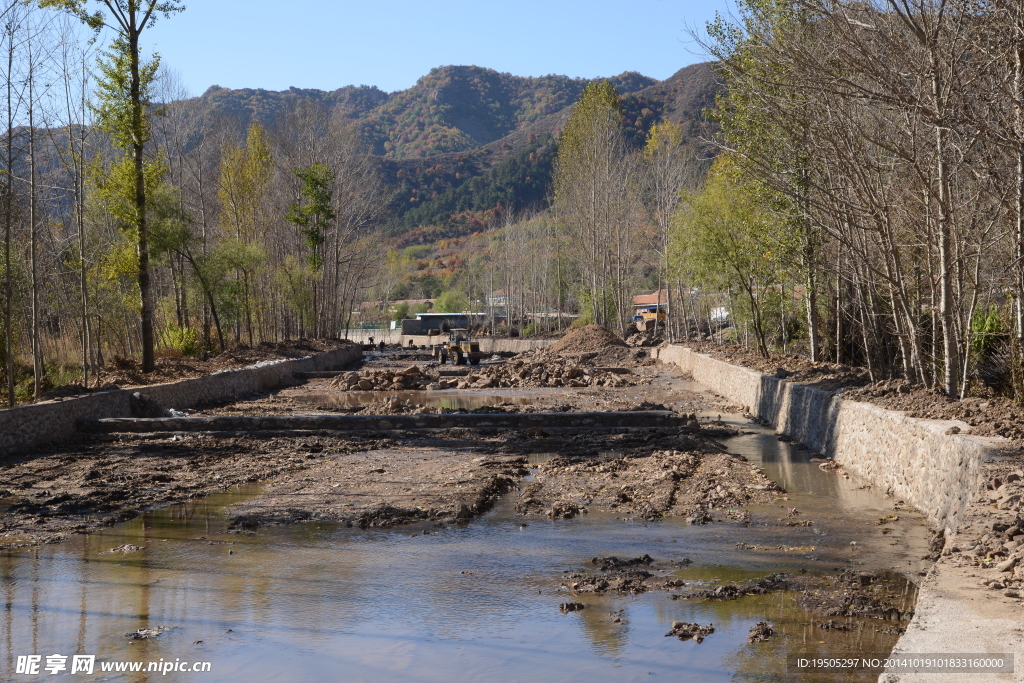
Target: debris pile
{"points": [[543, 370], [684, 631], [410, 379], [525, 371]]}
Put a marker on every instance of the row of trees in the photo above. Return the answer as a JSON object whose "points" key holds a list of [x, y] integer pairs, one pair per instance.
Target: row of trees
{"points": [[614, 204], [131, 225], [873, 171]]}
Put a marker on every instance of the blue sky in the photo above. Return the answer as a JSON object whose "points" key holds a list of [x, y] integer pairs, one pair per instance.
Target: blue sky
{"points": [[331, 43]]}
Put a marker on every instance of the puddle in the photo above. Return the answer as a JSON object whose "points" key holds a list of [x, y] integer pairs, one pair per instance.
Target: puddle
{"points": [[316, 602]]}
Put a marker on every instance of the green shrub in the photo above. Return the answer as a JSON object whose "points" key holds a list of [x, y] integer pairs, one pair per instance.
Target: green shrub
{"points": [[182, 339]]}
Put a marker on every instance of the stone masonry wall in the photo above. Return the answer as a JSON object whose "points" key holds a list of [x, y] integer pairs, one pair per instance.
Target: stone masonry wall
{"points": [[911, 459], [41, 423]]}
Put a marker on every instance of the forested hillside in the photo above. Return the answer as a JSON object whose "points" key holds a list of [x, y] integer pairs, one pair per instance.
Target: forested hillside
{"points": [[451, 109], [516, 169], [138, 223], [466, 125]]}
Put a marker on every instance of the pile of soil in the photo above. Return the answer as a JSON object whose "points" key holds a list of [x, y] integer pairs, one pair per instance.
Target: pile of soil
{"points": [[588, 339], [684, 483], [126, 372], [625, 576]]}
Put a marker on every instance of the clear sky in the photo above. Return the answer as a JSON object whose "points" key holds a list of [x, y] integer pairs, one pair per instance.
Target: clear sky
{"points": [[327, 44]]}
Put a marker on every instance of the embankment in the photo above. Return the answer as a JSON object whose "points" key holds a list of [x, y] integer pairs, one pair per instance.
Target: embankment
{"points": [[925, 463], [52, 421]]}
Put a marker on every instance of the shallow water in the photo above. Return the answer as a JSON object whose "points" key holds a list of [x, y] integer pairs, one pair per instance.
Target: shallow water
{"points": [[321, 602]]}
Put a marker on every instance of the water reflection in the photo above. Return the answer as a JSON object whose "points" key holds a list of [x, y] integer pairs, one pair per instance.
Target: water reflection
{"points": [[317, 602]]}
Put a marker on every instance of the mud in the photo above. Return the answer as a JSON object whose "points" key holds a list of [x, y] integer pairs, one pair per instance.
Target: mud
{"points": [[625, 576], [685, 631], [385, 488], [847, 595], [49, 494], [699, 482], [526, 371], [101, 480]]}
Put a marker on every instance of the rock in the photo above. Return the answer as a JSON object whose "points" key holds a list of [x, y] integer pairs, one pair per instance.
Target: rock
{"points": [[699, 517], [571, 607], [685, 631], [1008, 565], [760, 631], [143, 406], [126, 548], [365, 384], [565, 510], [144, 633]]}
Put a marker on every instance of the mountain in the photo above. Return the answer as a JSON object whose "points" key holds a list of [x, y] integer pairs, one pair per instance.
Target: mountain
{"points": [[451, 109], [465, 142], [459, 108], [515, 171]]}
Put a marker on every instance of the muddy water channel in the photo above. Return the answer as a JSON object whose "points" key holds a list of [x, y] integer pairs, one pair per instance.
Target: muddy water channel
{"points": [[319, 602]]}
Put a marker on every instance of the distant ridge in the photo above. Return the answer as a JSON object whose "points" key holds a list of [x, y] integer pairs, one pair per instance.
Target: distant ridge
{"points": [[467, 123]]}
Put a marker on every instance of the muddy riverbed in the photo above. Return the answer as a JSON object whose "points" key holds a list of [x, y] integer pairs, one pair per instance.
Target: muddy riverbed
{"points": [[451, 556]]}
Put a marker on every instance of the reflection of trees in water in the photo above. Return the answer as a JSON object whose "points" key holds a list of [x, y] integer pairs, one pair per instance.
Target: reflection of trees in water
{"points": [[797, 633], [607, 638]]}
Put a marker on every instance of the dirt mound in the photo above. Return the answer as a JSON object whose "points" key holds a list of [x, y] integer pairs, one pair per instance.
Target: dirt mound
{"points": [[589, 339]]}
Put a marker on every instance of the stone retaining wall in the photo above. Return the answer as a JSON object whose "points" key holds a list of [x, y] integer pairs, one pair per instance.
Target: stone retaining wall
{"points": [[911, 459], [49, 421]]}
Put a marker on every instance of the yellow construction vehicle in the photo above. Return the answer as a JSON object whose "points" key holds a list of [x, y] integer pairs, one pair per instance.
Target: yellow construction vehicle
{"points": [[646, 316], [459, 349]]}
